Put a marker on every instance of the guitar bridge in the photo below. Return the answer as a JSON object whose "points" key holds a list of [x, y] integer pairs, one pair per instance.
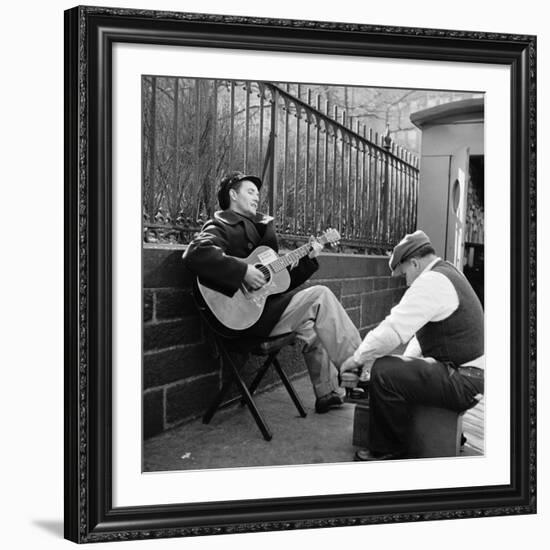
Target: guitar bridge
{"points": [[258, 297]]}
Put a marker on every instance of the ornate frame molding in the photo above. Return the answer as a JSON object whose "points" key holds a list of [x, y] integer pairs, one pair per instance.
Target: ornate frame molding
{"points": [[89, 35]]}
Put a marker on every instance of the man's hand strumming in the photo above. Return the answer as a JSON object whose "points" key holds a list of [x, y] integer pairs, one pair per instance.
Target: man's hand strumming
{"points": [[254, 278]]}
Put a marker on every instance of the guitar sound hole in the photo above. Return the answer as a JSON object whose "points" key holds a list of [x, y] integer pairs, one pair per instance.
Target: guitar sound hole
{"points": [[265, 271]]}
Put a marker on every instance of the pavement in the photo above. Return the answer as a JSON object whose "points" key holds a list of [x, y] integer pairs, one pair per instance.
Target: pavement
{"points": [[232, 439]]}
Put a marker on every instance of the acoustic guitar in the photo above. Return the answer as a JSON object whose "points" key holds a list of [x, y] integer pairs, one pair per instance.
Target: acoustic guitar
{"points": [[244, 308]]}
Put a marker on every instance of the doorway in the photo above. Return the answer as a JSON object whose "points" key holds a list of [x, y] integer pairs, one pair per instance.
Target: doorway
{"points": [[474, 238]]}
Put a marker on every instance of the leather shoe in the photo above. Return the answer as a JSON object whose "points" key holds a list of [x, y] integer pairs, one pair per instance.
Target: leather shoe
{"points": [[365, 455], [327, 402]]}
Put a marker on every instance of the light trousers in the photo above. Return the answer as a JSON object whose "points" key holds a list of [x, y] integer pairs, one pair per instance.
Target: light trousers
{"points": [[329, 335]]}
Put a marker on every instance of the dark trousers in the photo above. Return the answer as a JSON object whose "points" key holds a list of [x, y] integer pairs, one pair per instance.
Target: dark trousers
{"points": [[397, 383]]}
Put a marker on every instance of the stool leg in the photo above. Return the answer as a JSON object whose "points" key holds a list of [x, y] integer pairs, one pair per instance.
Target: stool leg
{"points": [[266, 432], [260, 374], [289, 388]]}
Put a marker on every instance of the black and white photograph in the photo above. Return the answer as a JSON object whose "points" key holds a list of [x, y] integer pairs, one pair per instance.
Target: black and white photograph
{"points": [[313, 273], [290, 246], [297, 257], [274, 274]]}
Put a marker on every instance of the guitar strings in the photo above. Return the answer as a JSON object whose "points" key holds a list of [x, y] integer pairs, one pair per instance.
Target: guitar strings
{"points": [[265, 271], [282, 262]]}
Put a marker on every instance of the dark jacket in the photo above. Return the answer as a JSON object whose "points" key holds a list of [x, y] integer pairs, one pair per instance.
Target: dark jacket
{"points": [[215, 257]]}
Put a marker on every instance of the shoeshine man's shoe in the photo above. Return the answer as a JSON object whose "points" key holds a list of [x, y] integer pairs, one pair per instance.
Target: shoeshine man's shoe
{"points": [[365, 455]]}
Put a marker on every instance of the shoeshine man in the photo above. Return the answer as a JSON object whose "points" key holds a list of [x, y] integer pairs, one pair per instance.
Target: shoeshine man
{"points": [[216, 257], [441, 319]]}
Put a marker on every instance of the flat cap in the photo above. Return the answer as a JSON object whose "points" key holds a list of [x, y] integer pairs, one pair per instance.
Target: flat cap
{"points": [[229, 182], [407, 246]]}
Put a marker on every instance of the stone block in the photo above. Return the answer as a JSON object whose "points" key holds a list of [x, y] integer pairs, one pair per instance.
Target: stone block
{"points": [[353, 286], [153, 413], [169, 334], [174, 303], [380, 309], [148, 299], [352, 265], [369, 284], [169, 366], [381, 283], [191, 398], [353, 300], [368, 309], [355, 316], [163, 267], [396, 282], [388, 301]]}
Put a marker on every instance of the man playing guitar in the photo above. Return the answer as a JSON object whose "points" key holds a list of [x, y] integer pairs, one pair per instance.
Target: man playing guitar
{"points": [[217, 256]]}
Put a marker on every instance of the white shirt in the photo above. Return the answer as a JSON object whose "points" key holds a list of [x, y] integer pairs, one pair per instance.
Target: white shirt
{"points": [[431, 297]]}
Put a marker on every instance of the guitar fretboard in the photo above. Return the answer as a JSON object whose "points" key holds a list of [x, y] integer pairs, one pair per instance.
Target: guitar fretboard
{"points": [[284, 261]]}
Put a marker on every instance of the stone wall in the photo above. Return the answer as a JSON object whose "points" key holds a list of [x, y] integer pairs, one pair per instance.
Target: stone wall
{"points": [[181, 374]]}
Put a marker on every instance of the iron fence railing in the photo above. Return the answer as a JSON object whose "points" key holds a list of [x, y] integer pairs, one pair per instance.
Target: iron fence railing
{"points": [[320, 167]]}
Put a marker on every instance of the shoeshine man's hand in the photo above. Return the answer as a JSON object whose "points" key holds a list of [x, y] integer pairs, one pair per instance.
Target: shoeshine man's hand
{"points": [[254, 278], [317, 247], [349, 364]]}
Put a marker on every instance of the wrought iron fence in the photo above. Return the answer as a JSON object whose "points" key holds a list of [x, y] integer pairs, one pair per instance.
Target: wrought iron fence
{"points": [[320, 168]]}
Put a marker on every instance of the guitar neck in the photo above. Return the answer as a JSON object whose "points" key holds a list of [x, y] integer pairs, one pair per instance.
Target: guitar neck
{"points": [[284, 261]]}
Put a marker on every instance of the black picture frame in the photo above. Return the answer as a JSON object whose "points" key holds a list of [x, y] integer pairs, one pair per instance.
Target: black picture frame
{"points": [[90, 33]]}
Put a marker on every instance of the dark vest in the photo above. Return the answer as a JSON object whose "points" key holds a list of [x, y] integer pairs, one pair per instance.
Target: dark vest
{"points": [[459, 337]]}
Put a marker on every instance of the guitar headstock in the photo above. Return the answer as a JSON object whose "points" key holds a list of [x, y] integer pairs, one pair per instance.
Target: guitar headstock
{"points": [[331, 236]]}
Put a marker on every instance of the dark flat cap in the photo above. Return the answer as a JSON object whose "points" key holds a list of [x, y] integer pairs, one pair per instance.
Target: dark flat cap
{"points": [[408, 245], [229, 182]]}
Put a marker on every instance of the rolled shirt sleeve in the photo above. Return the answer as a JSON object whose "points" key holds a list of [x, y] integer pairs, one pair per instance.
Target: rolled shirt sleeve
{"points": [[431, 297], [413, 348]]}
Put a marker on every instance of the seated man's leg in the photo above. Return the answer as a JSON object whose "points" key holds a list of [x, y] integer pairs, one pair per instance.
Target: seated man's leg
{"points": [[322, 371], [396, 383], [303, 316], [336, 331]]}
